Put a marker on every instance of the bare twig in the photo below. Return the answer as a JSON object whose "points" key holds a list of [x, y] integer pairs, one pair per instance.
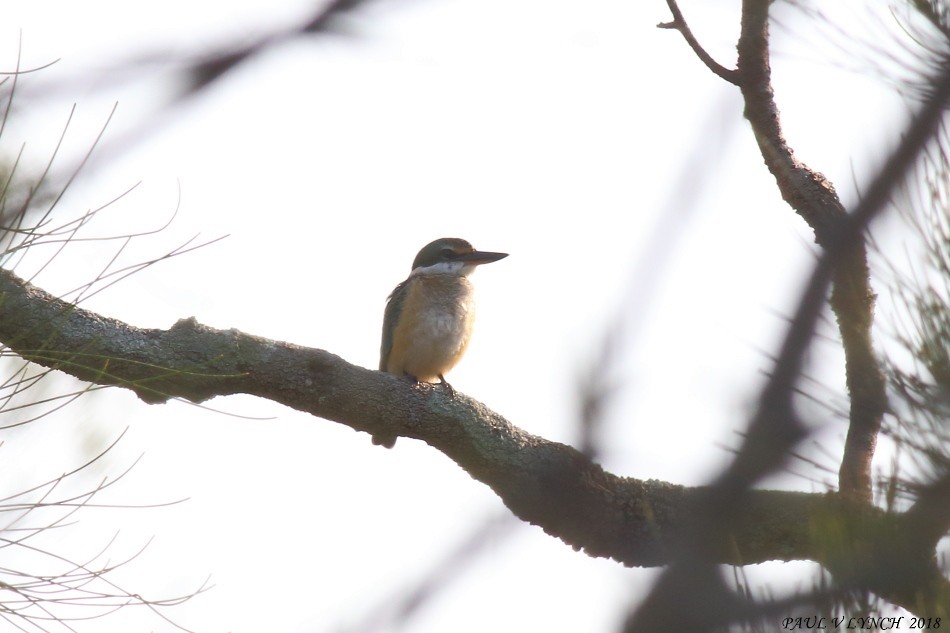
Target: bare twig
{"points": [[679, 24], [46, 586]]}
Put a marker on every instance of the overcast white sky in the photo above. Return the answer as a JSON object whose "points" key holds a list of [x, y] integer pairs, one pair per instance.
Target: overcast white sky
{"points": [[561, 133]]}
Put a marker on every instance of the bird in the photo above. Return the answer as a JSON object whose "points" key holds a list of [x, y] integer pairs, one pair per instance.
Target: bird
{"points": [[428, 320]]}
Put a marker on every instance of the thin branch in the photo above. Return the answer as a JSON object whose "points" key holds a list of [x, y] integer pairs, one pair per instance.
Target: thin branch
{"points": [[30, 598], [679, 24]]}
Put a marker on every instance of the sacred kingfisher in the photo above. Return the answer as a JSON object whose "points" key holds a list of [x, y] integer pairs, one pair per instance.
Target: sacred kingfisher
{"points": [[429, 316]]}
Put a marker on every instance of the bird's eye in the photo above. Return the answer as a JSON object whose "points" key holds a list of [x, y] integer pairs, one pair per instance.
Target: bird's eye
{"points": [[448, 253]]}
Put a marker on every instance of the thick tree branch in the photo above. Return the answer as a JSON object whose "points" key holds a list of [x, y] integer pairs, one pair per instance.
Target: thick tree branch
{"points": [[929, 517], [638, 523], [545, 483]]}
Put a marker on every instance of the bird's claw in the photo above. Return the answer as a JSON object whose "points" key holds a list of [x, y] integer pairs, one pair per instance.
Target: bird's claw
{"points": [[446, 384]]}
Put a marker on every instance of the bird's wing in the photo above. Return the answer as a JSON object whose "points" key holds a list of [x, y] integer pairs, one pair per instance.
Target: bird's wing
{"points": [[393, 309]]}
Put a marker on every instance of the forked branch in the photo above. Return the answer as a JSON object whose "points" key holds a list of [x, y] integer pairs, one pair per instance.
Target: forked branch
{"points": [[813, 197], [679, 24]]}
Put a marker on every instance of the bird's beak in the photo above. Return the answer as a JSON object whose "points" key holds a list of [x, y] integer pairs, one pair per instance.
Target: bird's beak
{"points": [[476, 258]]}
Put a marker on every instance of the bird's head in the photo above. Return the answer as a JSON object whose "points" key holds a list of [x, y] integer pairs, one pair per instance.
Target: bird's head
{"points": [[451, 256]]}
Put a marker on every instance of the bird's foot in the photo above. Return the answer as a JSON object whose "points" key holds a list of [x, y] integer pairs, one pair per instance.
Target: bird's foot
{"points": [[446, 384]]}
